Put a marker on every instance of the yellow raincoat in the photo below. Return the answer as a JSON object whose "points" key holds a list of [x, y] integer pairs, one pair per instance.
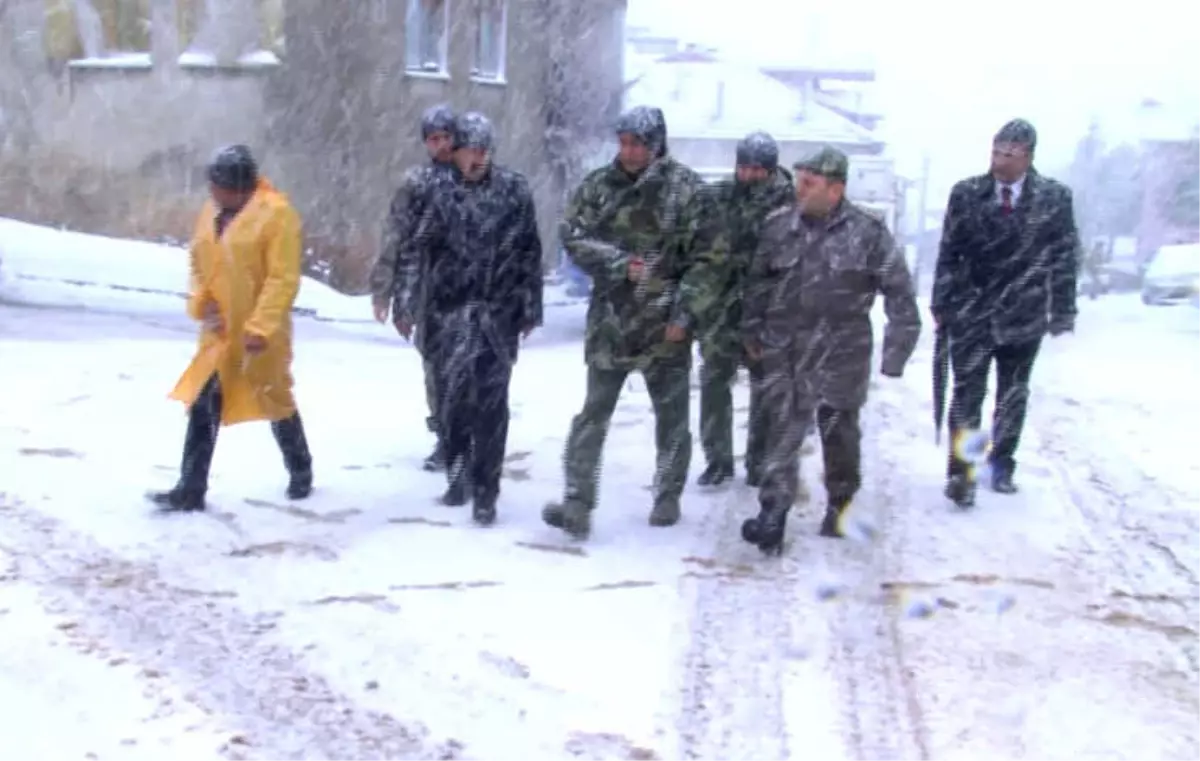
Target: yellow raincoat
{"points": [[252, 273]]}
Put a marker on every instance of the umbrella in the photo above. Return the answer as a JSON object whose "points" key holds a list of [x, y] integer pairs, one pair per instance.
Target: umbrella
{"points": [[941, 373]]}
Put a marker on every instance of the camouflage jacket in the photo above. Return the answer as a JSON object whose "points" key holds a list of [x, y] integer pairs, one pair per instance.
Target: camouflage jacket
{"points": [[808, 301], [408, 204], [1007, 275], [613, 217], [474, 258], [733, 220]]}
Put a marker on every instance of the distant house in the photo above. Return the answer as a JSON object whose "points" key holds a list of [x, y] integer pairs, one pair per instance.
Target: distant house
{"points": [[712, 103], [1170, 165]]}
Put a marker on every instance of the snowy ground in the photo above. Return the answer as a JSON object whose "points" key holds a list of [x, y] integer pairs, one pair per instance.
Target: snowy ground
{"points": [[370, 622]]}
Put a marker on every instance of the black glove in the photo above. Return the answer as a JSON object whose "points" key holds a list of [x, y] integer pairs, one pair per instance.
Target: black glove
{"points": [[891, 372]]}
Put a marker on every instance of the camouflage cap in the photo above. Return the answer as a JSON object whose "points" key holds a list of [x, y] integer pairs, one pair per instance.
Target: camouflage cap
{"points": [[473, 130], [439, 118], [758, 149], [828, 162], [1019, 132]]}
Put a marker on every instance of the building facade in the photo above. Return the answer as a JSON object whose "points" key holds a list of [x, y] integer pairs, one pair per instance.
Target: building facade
{"points": [[328, 94]]}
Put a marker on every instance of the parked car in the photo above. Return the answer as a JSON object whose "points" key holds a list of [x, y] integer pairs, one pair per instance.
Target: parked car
{"points": [[1173, 274]]}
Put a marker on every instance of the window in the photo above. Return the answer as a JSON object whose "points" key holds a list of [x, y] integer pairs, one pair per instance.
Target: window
{"points": [[425, 30], [248, 31], [490, 40], [114, 30]]}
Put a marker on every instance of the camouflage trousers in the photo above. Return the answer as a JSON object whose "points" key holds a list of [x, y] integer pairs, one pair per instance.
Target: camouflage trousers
{"points": [[789, 416], [669, 385], [717, 375]]}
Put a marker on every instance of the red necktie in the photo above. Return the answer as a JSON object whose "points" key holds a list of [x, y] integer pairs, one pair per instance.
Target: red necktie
{"points": [[1006, 206]]}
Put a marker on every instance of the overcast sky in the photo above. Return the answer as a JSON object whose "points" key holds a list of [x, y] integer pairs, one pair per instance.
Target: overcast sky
{"points": [[950, 73]]}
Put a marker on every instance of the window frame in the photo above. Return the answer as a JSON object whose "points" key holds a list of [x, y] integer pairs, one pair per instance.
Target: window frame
{"points": [[500, 73], [416, 11]]}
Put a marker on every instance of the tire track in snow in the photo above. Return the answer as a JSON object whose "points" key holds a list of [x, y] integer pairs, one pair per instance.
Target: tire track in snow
{"points": [[732, 681], [216, 651], [881, 712], [751, 626], [1105, 506]]}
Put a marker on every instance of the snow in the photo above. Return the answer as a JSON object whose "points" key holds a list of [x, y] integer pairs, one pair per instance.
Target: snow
{"points": [[369, 621], [36, 262], [200, 59], [114, 61]]}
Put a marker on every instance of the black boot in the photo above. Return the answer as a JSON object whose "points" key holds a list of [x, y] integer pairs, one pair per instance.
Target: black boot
{"points": [[455, 494], [715, 474], [831, 526], [293, 444], [1002, 482], [753, 477], [178, 500], [483, 509], [960, 489], [436, 461], [766, 530], [300, 485]]}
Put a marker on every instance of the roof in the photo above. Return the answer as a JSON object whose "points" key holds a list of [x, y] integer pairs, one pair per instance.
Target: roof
{"points": [[718, 99]]}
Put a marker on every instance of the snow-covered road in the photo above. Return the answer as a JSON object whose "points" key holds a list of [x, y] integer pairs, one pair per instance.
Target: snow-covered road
{"points": [[370, 622]]}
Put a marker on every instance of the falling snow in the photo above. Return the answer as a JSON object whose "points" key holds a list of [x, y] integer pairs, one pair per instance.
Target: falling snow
{"points": [[618, 417]]}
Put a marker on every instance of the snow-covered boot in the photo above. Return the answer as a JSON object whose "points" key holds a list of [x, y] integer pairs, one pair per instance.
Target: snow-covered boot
{"points": [[483, 509], [178, 500], [960, 489], [766, 529], [665, 513], [300, 484], [715, 474], [831, 526], [571, 516]]}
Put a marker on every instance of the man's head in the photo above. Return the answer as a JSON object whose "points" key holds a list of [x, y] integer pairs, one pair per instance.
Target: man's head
{"points": [[437, 130], [642, 132], [232, 177], [821, 181], [757, 157], [474, 138], [1012, 150]]}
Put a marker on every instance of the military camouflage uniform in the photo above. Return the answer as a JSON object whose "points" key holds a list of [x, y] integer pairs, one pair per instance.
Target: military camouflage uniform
{"points": [[408, 205], [808, 302], [611, 218], [713, 295]]}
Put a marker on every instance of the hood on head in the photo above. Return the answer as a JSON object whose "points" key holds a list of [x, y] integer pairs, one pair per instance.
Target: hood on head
{"points": [[647, 124], [474, 130], [439, 118], [233, 168], [758, 149]]}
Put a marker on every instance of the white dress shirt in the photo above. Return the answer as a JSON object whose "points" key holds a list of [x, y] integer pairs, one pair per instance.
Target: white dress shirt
{"points": [[1015, 187]]}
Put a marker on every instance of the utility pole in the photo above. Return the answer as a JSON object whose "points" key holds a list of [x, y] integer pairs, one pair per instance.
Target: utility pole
{"points": [[922, 202]]}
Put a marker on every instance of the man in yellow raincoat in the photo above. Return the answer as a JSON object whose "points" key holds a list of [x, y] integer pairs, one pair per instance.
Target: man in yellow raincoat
{"points": [[245, 265]]}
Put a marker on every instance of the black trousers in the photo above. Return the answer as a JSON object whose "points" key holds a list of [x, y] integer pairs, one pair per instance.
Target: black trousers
{"points": [[972, 360], [474, 414], [200, 442]]}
